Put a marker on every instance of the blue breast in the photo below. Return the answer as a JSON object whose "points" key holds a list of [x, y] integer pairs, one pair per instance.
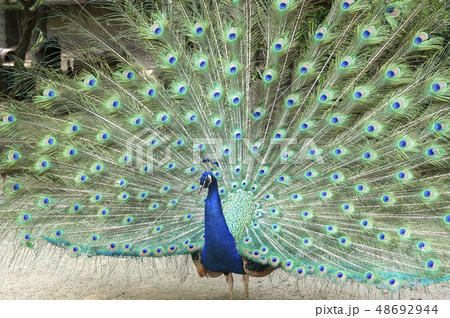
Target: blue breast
{"points": [[219, 253]]}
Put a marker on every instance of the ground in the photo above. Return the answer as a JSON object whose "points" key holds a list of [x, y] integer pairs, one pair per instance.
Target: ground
{"points": [[59, 276]]}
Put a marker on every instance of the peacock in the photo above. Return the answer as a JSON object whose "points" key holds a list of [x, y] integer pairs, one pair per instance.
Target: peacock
{"points": [[252, 135]]}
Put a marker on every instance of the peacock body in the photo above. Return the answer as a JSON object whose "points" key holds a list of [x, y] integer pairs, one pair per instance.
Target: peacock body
{"points": [[322, 144]]}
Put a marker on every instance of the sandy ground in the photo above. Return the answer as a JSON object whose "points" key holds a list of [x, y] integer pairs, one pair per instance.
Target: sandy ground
{"points": [[59, 276]]}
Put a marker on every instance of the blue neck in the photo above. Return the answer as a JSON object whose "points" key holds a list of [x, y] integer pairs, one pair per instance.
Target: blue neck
{"points": [[219, 253]]}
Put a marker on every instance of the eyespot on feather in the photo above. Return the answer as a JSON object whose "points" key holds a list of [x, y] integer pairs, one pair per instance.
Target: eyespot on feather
{"points": [[393, 283], [360, 94], [198, 29], [144, 252], [202, 63], [90, 81], [321, 34], [369, 277], [274, 261], [9, 119], [278, 45], [383, 237], [392, 73], [368, 32], [128, 75], [392, 11], [232, 34], [216, 94], [348, 207], [420, 38], [300, 272], [235, 99], [431, 265], [397, 105], [423, 246], [340, 276], [269, 76], [181, 89], [150, 92], [282, 5], [325, 97], [50, 93], [346, 63], [438, 87], [304, 69], [346, 4], [232, 68], [403, 232], [171, 59], [157, 29]]}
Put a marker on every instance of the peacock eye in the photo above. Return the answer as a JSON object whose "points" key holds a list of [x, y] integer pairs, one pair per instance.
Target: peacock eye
{"points": [[207, 181]]}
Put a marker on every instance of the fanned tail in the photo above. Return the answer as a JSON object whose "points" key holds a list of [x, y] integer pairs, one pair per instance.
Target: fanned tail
{"points": [[336, 129]]}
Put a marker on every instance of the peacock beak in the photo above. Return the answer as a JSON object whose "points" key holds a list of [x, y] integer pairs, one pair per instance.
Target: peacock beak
{"points": [[200, 189]]}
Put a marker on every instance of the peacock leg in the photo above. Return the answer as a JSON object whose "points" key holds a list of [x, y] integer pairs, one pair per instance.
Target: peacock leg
{"points": [[245, 279], [229, 278]]}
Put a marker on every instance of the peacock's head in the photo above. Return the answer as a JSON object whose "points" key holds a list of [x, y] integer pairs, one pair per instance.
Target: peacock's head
{"points": [[206, 180]]}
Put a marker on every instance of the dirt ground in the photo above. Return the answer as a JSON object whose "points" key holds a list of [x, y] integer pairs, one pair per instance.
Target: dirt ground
{"points": [[59, 276]]}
